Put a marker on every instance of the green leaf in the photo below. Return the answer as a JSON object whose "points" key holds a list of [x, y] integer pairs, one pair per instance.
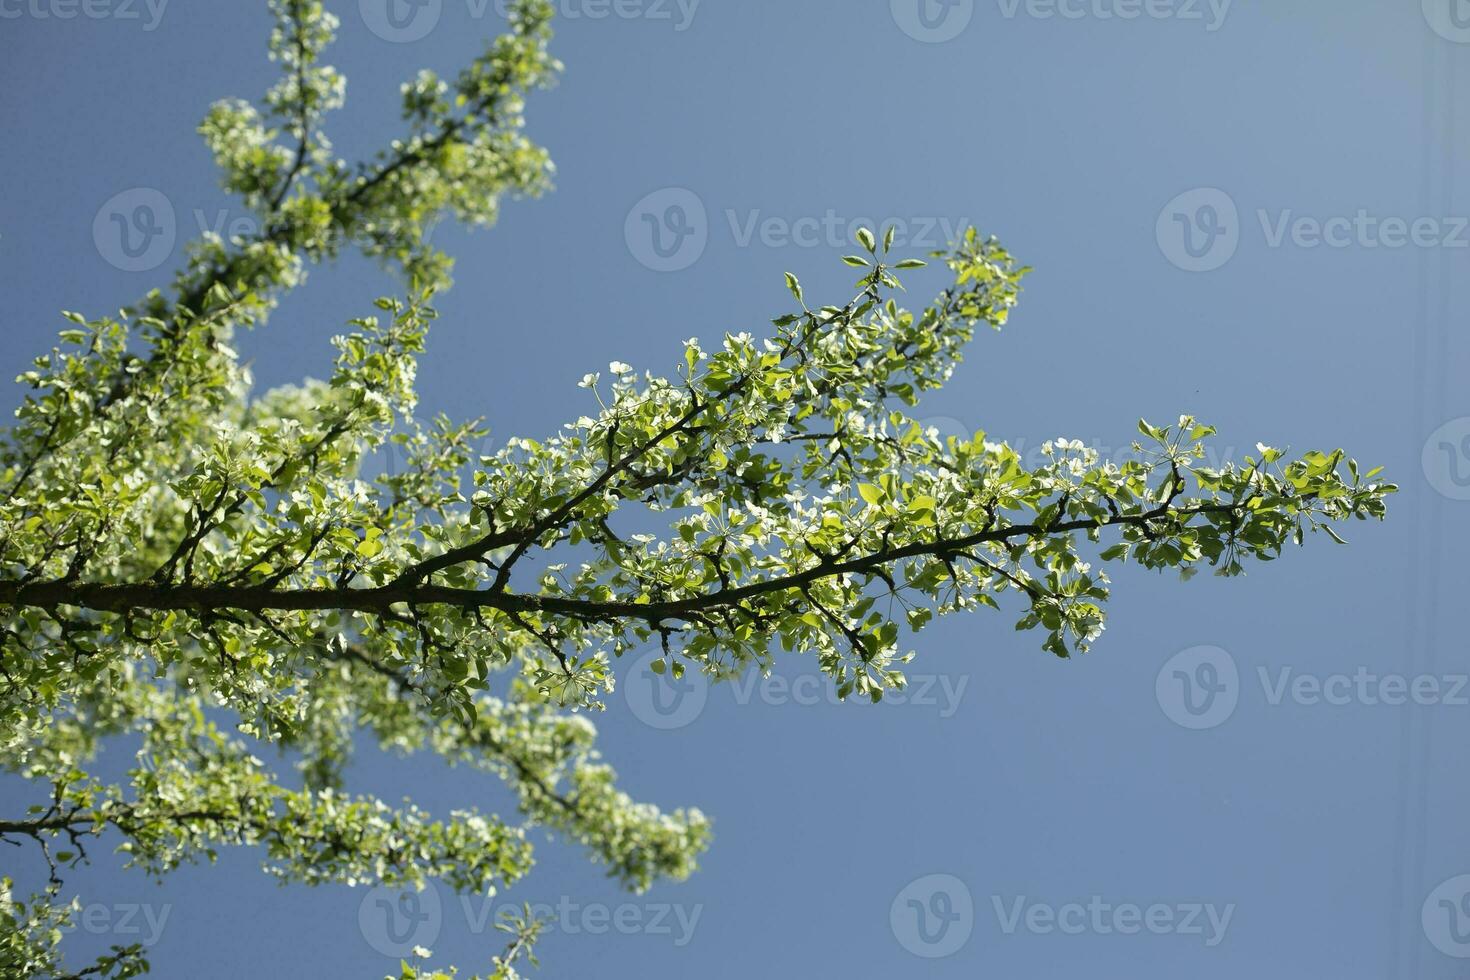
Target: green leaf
{"points": [[922, 503], [793, 284]]}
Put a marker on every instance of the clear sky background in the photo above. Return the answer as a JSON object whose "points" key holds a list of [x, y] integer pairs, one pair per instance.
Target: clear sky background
{"points": [[1332, 835]]}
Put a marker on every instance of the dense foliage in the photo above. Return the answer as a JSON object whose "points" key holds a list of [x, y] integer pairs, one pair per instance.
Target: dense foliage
{"points": [[209, 570]]}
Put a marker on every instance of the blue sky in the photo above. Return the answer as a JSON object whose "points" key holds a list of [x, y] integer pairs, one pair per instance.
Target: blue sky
{"points": [[1251, 212]]}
